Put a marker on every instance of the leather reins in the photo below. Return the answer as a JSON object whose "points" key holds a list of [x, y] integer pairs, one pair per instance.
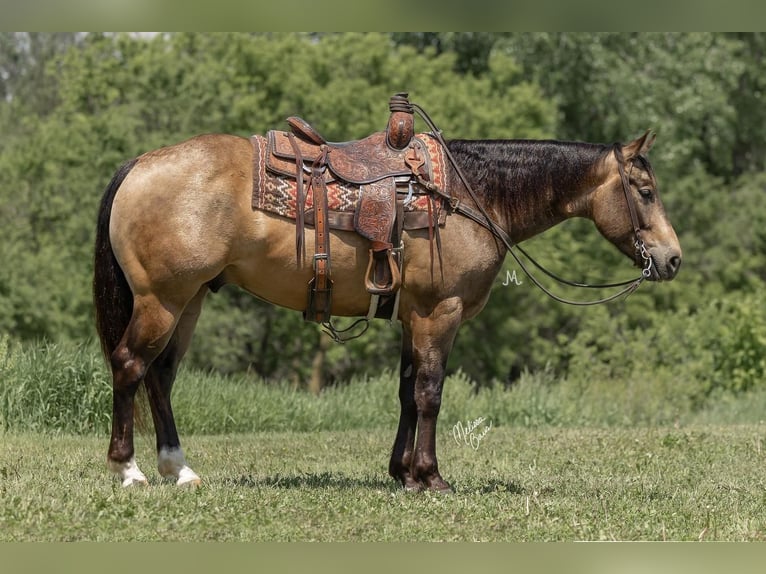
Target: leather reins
{"points": [[481, 217]]}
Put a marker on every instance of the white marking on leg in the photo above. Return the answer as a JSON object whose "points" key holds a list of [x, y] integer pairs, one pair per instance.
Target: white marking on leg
{"points": [[172, 464], [128, 472]]}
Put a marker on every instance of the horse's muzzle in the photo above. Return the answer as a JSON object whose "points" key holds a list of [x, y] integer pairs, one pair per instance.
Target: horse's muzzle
{"points": [[665, 263]]}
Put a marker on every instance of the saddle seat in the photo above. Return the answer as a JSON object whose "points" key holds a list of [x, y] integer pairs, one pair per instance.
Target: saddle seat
{"points": [[358, 162]]}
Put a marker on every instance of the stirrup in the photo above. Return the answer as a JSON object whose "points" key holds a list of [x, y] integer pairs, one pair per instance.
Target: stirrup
{"points": [[370, 282]]}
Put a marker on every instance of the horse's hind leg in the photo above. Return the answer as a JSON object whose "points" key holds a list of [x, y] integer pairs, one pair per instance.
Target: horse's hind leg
{"points": [[171, 462], [146, 336]]}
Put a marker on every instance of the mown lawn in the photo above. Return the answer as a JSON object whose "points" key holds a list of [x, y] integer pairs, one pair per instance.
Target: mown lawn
{"points": [[695, 483]]}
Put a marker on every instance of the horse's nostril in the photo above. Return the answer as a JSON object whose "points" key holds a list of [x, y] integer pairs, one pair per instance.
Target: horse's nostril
{"points": [[673, 264]]}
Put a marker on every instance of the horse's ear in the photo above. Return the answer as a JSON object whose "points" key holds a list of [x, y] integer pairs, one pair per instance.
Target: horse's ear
{"points": [[639, 146]]}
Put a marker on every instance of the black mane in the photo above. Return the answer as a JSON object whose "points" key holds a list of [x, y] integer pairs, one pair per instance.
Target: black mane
{"points": [[519, 177]]}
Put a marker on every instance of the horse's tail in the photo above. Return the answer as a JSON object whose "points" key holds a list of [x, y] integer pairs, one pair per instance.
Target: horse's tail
{"points": [[111, 294]]}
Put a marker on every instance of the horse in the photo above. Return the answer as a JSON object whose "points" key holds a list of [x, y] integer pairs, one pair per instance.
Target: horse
{"points": [[177, 222]]}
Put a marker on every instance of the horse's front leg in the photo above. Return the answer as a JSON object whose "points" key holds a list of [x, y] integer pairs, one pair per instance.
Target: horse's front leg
{"points": [[432, 339], [401, 457]]}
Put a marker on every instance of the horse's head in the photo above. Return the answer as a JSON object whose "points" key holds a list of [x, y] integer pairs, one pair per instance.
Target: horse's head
{"points": [[627, 210]]}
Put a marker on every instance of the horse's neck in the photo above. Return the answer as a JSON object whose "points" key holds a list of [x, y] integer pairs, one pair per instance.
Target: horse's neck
{"points": [[530, 186]]}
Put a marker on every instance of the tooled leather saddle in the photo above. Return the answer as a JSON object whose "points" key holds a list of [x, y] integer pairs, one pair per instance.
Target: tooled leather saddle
{"points": [[370, 186]]}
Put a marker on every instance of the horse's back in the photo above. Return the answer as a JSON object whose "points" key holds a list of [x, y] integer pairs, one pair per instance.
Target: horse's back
{"points": [[210, 163]]}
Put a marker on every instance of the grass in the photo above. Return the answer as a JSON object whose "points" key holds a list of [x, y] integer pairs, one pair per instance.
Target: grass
{"points": [[49, 387], [565, 459], [696, 483]]}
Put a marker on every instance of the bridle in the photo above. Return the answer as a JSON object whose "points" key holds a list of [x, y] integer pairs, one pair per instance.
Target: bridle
{"points": [[480, 216], [625, 178]]}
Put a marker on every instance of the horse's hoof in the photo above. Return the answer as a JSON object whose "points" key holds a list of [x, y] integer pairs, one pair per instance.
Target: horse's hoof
{"points": [[442, 489], [441, 486], [187, 477], [132, 481], [128, 472], [411, 485], [414, 487], [189, 482]]}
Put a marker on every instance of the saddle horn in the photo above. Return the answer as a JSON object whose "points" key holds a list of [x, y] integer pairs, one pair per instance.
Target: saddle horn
{"points": [[401, 124]]}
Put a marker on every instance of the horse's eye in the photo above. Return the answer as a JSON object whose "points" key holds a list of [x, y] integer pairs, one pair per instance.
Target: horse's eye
{"points": [[645, 192]]}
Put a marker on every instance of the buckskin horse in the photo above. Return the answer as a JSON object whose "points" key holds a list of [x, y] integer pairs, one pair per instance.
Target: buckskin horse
{"points": [[178, 222]]}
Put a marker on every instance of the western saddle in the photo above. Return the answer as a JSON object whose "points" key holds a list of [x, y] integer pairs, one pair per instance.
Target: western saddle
{"points": [[376, 164]]}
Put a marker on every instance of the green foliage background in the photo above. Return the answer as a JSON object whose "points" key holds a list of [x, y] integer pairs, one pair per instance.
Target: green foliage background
{"points": [[73, 107]]}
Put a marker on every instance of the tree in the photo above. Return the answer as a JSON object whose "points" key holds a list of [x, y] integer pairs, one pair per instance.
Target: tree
{"points": [[74, 107], [119, 95], [23, 60], [749, 99]]}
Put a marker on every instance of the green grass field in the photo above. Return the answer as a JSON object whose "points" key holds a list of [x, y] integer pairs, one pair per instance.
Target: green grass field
{"points": [[698, 483], [565, 459]]}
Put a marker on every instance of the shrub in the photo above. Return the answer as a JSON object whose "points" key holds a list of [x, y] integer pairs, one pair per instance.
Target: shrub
{"points": [[45, 386]]}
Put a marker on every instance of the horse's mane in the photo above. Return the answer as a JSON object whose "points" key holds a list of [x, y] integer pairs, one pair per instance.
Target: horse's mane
{"points": [[518, 177]]}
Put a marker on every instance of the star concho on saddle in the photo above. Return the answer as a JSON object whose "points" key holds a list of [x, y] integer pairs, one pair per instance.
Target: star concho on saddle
{"points": [[371, 186]]}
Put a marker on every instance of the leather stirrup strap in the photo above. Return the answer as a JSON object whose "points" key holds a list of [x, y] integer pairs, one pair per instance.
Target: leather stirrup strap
{"points": [[300, 200], [431, 234], [434, 223], [321, 285]]}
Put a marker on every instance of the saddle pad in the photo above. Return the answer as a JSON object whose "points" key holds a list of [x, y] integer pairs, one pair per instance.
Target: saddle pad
{"points": [[276, 193]]}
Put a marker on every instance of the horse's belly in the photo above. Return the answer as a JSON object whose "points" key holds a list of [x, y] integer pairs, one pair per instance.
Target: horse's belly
{"points": [[268, 267]]}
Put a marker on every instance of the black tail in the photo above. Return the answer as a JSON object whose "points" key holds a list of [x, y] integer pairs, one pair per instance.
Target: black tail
{"points": [[111, 294]]}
